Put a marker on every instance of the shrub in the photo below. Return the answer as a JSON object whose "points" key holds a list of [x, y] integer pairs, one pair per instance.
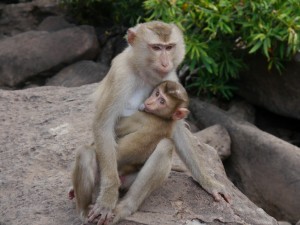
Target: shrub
{"points": [[218, 34]]}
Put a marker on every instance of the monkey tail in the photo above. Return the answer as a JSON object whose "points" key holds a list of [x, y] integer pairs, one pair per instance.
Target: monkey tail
{"points": [[84, 179]]}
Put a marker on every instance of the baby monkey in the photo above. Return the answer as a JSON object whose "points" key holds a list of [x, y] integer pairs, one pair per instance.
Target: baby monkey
{"points": [[141, 168], [139, 134]]}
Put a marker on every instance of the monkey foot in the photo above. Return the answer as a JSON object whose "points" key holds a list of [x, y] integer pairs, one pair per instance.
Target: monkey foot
{"points": [[100, 215], [71, 193], [218, 196]]}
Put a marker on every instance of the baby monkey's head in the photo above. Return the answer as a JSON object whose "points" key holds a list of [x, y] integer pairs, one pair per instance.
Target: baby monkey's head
{"points": [[168, 100]]}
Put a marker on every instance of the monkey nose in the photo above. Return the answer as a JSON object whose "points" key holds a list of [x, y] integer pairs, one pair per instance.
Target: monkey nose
{"points": [[165, 64]]}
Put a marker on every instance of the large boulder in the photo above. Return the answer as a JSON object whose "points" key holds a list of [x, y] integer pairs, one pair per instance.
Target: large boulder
{"points": [[217, 137], [22, 17], [41, 129], [263, 166], [80, 73], [278, 93], [32, 53], [54, 23]]}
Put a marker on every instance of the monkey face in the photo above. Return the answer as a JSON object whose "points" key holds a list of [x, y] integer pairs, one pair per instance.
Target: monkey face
{"points": [[159, 104], [162, 57]]}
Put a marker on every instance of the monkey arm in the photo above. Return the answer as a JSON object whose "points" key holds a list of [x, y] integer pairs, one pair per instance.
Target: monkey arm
{"points": [[151, 176], [112, 96], [136, 147], [189, 150], [130, 124]]}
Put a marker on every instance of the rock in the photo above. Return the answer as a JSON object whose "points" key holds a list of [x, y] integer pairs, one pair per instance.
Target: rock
{"points": [[283, 223], [54, 23], [22, 17], [111, 47], [34, 52], [80, 73], [266, 168], [40, 133], [242, 110], [277, 93], [282, 127], [217, 137]]}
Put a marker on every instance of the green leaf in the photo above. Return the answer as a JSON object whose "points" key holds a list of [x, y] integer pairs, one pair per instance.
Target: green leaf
{"points": [[266, 46], [218, 34], [259, 36], [255, 47]]}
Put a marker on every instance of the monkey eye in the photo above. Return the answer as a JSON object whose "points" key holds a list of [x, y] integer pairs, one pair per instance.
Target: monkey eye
{"points": [[155, 47], [169, 47], [162, 101], [157, 93]]}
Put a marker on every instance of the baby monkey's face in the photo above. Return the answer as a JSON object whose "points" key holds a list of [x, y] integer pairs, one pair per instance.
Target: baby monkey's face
{"points": [[157, 102], [163, 104]]}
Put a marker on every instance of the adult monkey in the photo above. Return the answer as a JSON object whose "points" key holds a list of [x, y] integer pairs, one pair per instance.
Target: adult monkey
{"points": [[155, 50]]}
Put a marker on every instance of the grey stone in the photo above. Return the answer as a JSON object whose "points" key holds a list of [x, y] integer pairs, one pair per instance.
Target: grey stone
{"points": [[264, 167], [31, 53], [80, 73], [54, 23], [40, 131], [277, 93]]}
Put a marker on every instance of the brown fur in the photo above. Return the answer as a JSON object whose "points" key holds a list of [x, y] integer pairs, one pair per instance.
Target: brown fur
{"points": [[139, 134], [129, 74], [161, 30], [135, 148], [176, 91]]}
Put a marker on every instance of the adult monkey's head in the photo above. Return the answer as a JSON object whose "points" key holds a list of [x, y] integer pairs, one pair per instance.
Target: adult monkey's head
{"points": [[157, 47]]}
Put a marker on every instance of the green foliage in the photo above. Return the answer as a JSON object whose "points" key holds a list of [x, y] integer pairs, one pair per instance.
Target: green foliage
{"points": [[105, 12], [219, 33]]}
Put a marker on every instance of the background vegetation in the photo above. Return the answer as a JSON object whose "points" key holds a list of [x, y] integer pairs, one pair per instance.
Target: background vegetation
{"points": [[219, 34]]}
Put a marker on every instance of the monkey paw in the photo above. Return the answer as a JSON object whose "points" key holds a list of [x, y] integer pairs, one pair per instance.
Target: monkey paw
{"points": [[121, 211], [71, 193], [219, 192], [100, 215]]}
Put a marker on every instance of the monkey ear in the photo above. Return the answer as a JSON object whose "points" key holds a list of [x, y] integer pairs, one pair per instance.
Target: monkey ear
{"points": [[131, 34], [180, 113]]}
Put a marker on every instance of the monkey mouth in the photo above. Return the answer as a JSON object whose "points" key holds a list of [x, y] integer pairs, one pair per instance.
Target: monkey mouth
{"points": [[146, 110], [163, 72]]}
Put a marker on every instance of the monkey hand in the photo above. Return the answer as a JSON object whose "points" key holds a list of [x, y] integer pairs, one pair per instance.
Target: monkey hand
{"points": [[122, 210], [217, 190], [142, 107], [101, 213]]}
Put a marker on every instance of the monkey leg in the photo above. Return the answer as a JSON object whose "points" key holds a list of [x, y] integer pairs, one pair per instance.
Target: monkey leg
{"points": [[127, 180], [150, 177], [189, 148], [85, 178]]}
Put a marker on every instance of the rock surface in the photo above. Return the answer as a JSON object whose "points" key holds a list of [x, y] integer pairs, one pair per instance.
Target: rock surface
{"points": [[35, 52], [77, 74], [278, 93], [266, 168], [22, 17], [217, 137], [54, 23], [40, 130]]}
